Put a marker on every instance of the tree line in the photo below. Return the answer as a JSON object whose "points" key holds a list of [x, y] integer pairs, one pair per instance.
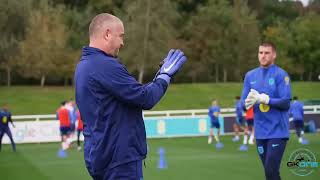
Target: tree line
{"points": [[41, 40]]}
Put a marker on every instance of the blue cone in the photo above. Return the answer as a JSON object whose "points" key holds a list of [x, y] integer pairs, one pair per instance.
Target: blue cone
{"points": [[219, 145], [243, 147], [162, 164], [235, 139], [305, 142], [62, 154], [312, 126]]}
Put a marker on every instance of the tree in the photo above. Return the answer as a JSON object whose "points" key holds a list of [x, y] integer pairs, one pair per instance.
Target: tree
{"points": [[45, 43], [305, 48], [205, 42], [314, 5], [150, 32], [13, 14], [219, 38], [281, 36], [243, 40], [77, 22], [273, 12]]}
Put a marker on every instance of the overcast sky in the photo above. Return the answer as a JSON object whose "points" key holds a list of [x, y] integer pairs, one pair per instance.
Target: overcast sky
{"points": [[304, 2]]}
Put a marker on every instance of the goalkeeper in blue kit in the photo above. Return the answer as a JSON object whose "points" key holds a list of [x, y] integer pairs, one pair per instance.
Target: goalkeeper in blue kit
{"points": [[296, 112], [111, 101], [267, 90], [5, 118]]}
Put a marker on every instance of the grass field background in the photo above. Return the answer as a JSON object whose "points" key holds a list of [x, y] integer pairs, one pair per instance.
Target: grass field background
{"points": [[31, 100], [187, 159]]}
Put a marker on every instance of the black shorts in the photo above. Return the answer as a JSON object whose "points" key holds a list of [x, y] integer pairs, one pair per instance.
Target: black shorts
{"points": [[215, 125], [240, 121], [298, 124], [64, 131], [249, 122]]}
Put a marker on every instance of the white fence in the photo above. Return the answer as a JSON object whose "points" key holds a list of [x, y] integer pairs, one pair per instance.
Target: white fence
{"points": [[45, 128], [226, 112]]}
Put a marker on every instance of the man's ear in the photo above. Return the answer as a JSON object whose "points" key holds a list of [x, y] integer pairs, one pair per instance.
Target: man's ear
{"points": [[106, 35]]}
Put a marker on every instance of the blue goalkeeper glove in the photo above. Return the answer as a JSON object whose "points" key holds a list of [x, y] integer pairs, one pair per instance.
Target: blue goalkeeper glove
{"points": [[172, 64]]}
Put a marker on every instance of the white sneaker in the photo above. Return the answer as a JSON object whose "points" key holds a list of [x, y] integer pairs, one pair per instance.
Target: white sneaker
{"points": [[235, 139], [251, 142], [300, 139], [79, 148], [65, 145], [245, 139], [209, 140]]}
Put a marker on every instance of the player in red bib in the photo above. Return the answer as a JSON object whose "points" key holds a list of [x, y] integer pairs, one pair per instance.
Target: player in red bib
{"points": [[63, 115], [79, 128], [249, 128]]}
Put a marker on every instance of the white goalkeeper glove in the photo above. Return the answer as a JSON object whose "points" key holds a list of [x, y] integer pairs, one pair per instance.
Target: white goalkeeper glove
{"points": [[250, 100], [262, 98], [254, 97]]}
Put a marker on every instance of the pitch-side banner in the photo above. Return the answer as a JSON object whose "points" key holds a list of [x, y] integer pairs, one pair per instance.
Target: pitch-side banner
{"points": [[48, 131], [179, 126], [35, 132]]}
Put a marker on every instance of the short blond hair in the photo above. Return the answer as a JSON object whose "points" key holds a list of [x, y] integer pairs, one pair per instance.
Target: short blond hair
{"points": [[100, 21]]}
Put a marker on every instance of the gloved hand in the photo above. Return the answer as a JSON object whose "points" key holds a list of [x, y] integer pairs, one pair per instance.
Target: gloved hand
{"points": [[158, 73], [254, 97], [250, 100], [173, 62], [261, 98], [171, 65]]}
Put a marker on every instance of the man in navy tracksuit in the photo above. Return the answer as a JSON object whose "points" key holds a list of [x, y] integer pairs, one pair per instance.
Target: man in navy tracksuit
{"points": [[267, 89], [297, 113], [5, 118], [111, 101]]}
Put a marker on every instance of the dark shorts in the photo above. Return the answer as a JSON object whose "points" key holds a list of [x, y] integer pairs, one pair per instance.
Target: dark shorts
{"points": [[240, 121], [249, 122], [215, 124], [5, 130], [64, 130], [298, 124], [72, 128], [128, 171]]}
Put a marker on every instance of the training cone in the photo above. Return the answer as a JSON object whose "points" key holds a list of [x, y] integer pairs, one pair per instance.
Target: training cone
{"points": [[162, 164], [235, 139], [305, 142], [243, 147], [62, 154], [219, 145]]}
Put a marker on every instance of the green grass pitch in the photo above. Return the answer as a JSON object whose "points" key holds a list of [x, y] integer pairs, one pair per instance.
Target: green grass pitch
{"points": [[187, 158], [32, 100]]}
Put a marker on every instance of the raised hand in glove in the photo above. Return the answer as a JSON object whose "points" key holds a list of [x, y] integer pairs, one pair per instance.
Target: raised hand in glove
{"points": [[172, 64], [255, 97]]}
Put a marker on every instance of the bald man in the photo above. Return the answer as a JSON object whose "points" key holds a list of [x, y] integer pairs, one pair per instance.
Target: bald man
{"points": [[111, 101]]}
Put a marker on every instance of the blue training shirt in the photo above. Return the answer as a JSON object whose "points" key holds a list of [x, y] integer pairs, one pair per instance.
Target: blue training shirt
{"points": [[239, 109], [214, 113], [5, 118], [111, 101], [296, 110], [271, 120]]}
